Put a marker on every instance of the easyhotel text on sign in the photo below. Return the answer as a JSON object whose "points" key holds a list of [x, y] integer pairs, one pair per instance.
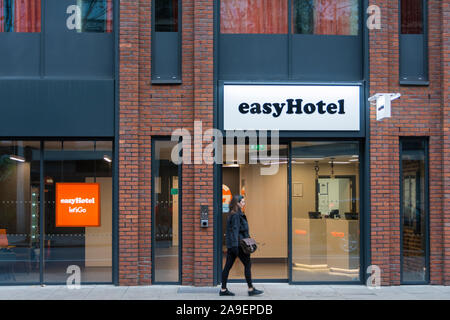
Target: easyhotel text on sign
{"points": [[292, 107], [77, 205]]}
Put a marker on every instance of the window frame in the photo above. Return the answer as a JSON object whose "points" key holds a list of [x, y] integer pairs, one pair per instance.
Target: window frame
{"points": [[177, 79], [283, 60], [426, 206], [42, 212], [153, 215], [403, 81]]}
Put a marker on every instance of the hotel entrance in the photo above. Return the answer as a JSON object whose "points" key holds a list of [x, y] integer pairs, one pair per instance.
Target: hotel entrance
{"points": [[304, 216]]}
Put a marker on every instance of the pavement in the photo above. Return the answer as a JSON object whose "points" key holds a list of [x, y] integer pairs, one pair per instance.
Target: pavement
{"points": [[272, 291]]}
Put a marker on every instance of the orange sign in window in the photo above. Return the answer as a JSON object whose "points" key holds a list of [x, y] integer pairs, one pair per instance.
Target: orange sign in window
{"points": [[77, 205]]}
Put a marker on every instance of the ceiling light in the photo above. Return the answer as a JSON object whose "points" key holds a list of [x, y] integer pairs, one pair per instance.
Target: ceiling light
{"points": [[107, 158], [231, 165], [309, 159], [17, 158]]}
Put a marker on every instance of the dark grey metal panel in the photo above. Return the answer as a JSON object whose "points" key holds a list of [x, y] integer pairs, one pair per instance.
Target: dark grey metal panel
{"points": [[57, 108], [412, 58], [253, 57], [327, 58], [19, 54], [166, 62], [69, 53]]}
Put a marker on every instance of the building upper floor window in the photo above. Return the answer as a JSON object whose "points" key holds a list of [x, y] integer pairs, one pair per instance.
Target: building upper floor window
{"points": [[166, 15], [413, 42], [327, 17], [254, 16], [57, 38], [96, 15], [20, 15], [324, 17], [166, 41], [412, 16], [84, 15]]}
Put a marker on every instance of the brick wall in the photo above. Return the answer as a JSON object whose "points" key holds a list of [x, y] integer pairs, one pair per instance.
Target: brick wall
{"points": [[445, 86], [148, 111], [417, 113]]}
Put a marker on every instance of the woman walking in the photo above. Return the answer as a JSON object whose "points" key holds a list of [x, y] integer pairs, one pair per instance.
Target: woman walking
{"points": [[237, 229]]}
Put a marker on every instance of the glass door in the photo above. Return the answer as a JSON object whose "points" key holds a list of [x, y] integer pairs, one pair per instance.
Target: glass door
{"points": [[414, 212], [73, 243], [266, 209], [166, 212], [325, 203]]}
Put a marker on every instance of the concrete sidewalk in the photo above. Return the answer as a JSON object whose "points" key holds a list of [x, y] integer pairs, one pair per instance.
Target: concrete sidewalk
{"points": [[272, 291]]}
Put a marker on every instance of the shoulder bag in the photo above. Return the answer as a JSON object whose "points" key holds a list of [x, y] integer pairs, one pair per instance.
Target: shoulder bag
{"points": [[248, 245]]}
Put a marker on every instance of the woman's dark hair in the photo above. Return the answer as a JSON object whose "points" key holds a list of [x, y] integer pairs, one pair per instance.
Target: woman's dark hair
{"points": [[234, 203]]}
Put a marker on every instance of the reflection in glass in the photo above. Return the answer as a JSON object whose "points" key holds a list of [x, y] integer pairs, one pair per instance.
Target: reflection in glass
{"points": [[414, 266], [20, 15], [89, 248], [166, 15], [19, 211], [96, 15], [166, 228], [411, 17], [254, 16], [325, 211], [266, 208], [326, 17]]}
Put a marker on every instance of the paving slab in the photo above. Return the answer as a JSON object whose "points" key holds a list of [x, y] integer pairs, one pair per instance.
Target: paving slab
{"points": [[71, 294], [107, 293], [272, 291]]}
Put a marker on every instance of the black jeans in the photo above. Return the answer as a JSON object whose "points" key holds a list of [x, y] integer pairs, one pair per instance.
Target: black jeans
{"points": [[231, 257]]}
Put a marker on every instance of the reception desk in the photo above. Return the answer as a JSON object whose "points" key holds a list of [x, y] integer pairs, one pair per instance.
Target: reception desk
{"points": [[331, 244], [309, 236]]}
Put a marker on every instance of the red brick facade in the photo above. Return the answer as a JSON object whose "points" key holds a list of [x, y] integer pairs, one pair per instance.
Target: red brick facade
{"points": [[419, 112], [148, 111], [445, 85]]}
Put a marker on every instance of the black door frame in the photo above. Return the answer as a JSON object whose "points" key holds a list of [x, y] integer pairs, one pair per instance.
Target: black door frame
{"points": [[42, 211], [153, 215], [426, 206], [364, 238]]}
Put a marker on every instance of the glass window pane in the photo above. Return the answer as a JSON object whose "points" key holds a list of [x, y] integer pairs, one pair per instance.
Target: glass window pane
{"points": [[414, 213], [166, 15], [266, 207], [96, 15], [19, 211], [325, 211], [166, 204], [254, 16], [326, 17], [20, 15], [89, 248], [412, 16]]}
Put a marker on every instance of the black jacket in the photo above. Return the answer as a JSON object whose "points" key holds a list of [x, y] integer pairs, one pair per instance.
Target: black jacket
{"points": [[237, 229]]}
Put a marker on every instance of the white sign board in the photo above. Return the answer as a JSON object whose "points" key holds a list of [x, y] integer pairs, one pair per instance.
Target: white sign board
{"points": [[383, 107], [291, 107], [383, 101]]}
